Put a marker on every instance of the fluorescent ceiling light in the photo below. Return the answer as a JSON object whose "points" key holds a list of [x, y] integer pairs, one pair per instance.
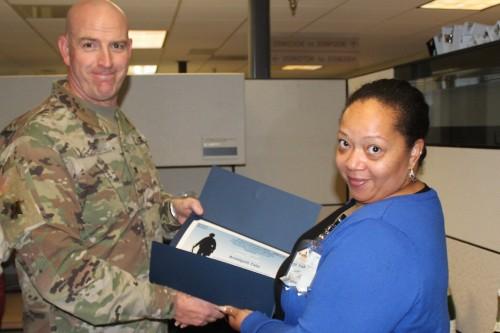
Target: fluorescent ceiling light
{"points": [[461, 4], [142, 69], [301, 67], [147, 39]]}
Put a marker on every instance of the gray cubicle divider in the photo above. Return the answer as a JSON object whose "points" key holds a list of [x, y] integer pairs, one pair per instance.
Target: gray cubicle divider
{"points": [[284, 130], [189, 120], [291, 136], [19, 94]]}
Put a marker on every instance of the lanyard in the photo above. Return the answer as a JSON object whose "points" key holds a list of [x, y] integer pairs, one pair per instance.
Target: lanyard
{"points": [[303, 268]]}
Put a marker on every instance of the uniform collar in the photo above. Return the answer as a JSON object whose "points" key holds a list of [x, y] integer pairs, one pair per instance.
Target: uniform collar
{"points": [[89, 117]]}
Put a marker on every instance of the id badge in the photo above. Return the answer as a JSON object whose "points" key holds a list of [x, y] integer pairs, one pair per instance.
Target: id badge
{"points": [[302, 270]]}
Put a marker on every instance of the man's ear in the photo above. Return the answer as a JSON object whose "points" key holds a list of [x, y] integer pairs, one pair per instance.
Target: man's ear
{"points": [[63, 45]]}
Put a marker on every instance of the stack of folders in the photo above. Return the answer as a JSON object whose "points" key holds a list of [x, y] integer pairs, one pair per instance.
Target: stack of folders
{"points": [[461, 36]]}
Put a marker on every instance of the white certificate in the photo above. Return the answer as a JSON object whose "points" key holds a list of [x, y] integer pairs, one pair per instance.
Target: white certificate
{"points": [[208, 239]]}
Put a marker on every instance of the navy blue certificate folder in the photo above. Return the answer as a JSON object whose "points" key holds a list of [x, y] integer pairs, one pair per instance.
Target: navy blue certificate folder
{"points": [[250, 208]]}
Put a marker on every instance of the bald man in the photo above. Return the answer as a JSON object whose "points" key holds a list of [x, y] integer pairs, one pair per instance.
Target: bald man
{"points": [[83, 202]]}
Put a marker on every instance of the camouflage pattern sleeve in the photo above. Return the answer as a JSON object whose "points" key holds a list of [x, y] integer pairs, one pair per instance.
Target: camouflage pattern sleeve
{"points": [[42, 217], [169, 224]]}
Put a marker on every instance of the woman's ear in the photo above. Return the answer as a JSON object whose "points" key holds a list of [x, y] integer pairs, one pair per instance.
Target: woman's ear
{"points": [[416, 151]]}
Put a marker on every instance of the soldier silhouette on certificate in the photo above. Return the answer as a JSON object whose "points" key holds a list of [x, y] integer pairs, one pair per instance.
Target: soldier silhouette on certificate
{"points": [[206, 246]]}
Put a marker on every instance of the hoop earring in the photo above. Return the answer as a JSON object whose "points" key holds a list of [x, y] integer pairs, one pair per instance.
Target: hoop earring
{"points": [[412, 176]]}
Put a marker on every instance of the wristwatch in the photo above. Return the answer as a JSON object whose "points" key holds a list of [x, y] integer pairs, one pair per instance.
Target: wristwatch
{"points": [[189, 194]]}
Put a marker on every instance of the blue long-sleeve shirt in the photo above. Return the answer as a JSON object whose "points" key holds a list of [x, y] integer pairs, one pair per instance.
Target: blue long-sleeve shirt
{"points": [[383, 269]]}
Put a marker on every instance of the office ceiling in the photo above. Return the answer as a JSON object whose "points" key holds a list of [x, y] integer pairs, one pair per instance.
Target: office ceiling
{"points": [[358, 36]]}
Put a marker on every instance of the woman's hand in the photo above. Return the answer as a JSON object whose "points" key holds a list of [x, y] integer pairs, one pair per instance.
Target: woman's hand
{"points": [[235, 316]]}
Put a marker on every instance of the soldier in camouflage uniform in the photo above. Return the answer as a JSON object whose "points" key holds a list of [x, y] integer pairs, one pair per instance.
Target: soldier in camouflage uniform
{"points": [[81, 201]]}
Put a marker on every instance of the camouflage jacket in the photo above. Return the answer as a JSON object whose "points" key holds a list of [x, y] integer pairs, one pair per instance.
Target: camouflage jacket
{"points": [[81, 205]]}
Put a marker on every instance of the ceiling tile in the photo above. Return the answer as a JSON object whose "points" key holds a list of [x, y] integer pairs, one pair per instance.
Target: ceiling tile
{"points": [[389, 31]]}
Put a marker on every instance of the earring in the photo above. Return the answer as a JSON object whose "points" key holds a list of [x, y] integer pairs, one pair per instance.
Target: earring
{"points": [[412, 176]]}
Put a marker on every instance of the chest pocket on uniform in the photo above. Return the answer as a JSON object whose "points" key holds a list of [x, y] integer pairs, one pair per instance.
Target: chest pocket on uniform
{"points": [[103, 185], [142, 169]]}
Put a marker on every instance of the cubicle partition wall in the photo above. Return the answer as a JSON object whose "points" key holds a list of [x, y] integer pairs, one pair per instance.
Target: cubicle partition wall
{"points": [[281, 132], [189, 120]]}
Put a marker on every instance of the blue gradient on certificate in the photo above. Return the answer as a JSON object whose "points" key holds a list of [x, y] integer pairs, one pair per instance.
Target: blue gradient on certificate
{"points": [[213, 241]]}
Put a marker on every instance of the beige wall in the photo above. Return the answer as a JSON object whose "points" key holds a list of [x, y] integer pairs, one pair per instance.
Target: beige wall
{"points": [[474, 279], [468, 181]]}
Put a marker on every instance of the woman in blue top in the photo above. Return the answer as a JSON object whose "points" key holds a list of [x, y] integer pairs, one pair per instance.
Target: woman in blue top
{"points": [[379, 263]]}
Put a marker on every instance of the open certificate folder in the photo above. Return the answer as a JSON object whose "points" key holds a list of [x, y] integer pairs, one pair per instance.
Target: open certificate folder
{"points": [[231, 254], [208, 239]]}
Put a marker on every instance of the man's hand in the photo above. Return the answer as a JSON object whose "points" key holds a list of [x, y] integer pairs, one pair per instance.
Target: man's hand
{"points": [[183, 207], [190, 310], [235, 316]]}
